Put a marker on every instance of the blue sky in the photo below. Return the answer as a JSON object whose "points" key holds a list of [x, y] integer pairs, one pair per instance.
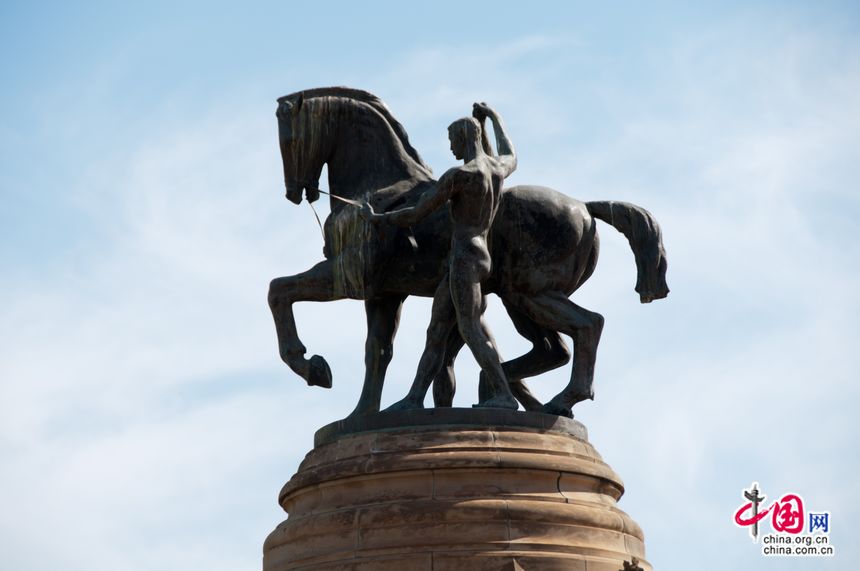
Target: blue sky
{"points": [[146, 421]]}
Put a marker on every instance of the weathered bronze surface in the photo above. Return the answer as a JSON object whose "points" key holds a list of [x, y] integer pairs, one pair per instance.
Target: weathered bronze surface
{"points": [[542, 246], [472, 193]]}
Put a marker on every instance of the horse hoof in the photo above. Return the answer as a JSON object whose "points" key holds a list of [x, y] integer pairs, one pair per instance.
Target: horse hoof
{"points": [[558, 410], [405, 404], [319, 374], [359, 413]]}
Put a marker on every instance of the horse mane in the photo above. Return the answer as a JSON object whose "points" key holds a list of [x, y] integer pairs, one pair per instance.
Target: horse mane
{"points": [[373, 101]]}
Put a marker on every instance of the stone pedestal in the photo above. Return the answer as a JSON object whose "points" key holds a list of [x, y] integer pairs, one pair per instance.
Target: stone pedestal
{"points": [[453, 489]]}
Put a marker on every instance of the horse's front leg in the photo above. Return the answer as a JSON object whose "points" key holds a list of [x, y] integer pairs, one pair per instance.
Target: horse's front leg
{"points": [[316, 284], [383, 317]]}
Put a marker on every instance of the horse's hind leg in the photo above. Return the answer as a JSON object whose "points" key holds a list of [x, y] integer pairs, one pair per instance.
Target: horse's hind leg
{"points": [[548, 352], [316, 284], [555, 311], [383, 317]]}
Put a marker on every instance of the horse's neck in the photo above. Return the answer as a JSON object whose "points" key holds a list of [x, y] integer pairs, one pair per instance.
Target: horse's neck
{"points": [[368, 159]]}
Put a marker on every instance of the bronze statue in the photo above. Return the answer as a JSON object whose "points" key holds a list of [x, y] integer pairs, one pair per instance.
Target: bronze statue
{"points": [[473, 193], [542, 244]]}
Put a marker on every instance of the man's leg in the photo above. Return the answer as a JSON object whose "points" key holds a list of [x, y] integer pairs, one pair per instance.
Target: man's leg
{"points": [[445, 382], [443, 318], [469, 304]]}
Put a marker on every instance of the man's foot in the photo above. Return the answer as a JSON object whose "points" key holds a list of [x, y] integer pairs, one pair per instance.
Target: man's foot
{"points": [[406, 404], [499, 401]]}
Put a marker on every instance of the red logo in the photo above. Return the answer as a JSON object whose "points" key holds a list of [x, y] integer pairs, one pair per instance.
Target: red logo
{"points": [[787, 512]]}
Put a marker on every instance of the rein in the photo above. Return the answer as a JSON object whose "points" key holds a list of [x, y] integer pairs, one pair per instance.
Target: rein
{"points": [[342, 199], [355, 203], [409, 235]]}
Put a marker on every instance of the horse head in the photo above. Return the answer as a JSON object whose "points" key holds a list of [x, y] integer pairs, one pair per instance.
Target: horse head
{"points": [[350, 130], [302, 158]]}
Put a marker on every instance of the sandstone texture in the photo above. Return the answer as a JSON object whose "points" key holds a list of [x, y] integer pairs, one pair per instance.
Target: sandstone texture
{"points": [[454, 490]]}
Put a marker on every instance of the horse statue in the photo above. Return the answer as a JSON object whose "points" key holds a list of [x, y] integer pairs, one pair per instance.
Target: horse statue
{"points": [[543, 245]]}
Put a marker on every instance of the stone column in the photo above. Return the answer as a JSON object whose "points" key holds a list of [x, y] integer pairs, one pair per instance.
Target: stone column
{"points": [[454, 489]]}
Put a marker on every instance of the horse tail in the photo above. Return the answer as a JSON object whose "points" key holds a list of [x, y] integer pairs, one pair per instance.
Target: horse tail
{"points": [[646, 240]]}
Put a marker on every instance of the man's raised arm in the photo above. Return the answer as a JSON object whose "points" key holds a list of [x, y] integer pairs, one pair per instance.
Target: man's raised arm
{"points": [[507, 156]]}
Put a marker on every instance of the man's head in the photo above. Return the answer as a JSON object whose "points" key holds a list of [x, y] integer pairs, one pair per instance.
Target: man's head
{"points": [[464, 134]]}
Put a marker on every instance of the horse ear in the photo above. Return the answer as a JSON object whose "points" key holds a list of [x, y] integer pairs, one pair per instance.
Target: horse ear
{"points": [[284, 108], [297, 105]]}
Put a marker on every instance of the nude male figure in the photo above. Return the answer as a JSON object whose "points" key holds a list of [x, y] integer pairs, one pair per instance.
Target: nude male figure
{"points": [[473, 193]]}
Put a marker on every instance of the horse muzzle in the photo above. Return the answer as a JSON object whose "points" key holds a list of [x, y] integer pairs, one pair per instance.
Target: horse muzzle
{"points": [[295, 188]]}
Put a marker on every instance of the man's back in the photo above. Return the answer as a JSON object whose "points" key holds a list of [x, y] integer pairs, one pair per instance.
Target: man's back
{"points": [[475, 197]]}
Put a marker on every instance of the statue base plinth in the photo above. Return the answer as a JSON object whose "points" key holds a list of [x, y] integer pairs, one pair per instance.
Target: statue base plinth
{"points": [[453, 489]]}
